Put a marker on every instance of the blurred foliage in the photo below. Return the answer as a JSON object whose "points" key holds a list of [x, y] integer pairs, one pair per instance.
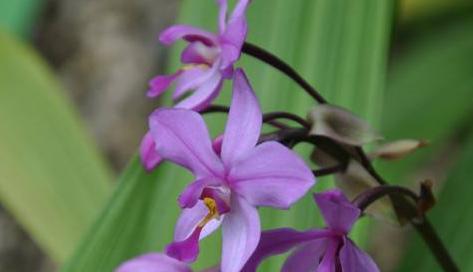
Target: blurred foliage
{"points": [[18, 16], [431, 82], [51, 177], [339, 45], [417, 10], [429, 91]]}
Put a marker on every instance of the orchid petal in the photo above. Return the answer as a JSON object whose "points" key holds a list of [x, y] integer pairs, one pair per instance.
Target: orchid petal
{"points": [[188, 33], [202, 97], [217, 144], [278, 241], [241, 234], [355, 260], [190, 218], [191, 194], [182, 137], [306, 257], [222, 15], [197, 52], [272, 175], [186, 250], [339, 213], [244, 121], [160, 83], [153, 262], [149, 157], [193, 78], [329, 261]]}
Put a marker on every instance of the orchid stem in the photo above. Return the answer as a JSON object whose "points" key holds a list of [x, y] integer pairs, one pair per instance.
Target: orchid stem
{"points": [[371, 195], [265, 56], [329, 170], [424, 228], [269, 118]]}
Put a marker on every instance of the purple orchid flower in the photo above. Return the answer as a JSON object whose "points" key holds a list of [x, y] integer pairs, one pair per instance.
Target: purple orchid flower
{"points": [[228, 185], [157, 262], [322, 250], [209, 59]]}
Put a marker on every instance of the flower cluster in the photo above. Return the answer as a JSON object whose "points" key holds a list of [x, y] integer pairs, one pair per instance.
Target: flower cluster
{"points": [[240, 170]]}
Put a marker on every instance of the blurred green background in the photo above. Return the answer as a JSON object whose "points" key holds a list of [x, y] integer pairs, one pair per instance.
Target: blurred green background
{"points": [[73, 76]]}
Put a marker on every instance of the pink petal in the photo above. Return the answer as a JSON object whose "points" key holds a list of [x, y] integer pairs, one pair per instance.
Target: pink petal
{"points": [[339, 213], [355, 260], [182, 137], [279, 241], [241, 233], [306, 257], [153, 262], [191, 194], [186, 250], [272, 175], [149, 157], [217, 144], [244, 121], [197, 52], [188, 33], [190, 218], [160, 83], [239, 10], [222, 15], [329, 261], [234, 36], [192, 79], [204, 95]]}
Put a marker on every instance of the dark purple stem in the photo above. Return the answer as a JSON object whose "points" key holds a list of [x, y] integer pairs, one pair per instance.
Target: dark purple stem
{"points": [[265, 56]]}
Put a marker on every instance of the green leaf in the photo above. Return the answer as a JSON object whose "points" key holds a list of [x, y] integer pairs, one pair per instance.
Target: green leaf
{"points": [[51, 177], [340, 46], [18, 16]]}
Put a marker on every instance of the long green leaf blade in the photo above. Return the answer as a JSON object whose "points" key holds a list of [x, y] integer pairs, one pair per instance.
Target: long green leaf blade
{"points": [[51, 177]]}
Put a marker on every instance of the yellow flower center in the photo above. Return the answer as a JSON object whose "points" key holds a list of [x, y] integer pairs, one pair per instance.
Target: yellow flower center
{"points": [[213, 212]]}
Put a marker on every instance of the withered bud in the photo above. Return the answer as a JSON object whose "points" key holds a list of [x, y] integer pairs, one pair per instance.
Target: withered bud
{"points": [[397, 149], [426, 199], [341, 125]]}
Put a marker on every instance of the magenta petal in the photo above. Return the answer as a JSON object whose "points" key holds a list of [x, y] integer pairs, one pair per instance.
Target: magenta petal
{"points": [[197, 52], [149, 157], [306, 257], [186, 250], [182, 137], [160, 83], [272, 175], [355, 260], [239, 10], [222, 15], [241, 234], [191, 194], [192, 79], [279, 241], [153, 262], [339, 213], [244, 121], [329, 261], [188, 33], [204, 95], [217, 144], [190, 218]]}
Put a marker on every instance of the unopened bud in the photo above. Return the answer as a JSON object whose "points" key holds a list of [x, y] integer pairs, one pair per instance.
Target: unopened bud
{"points": [[397, 149]]}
